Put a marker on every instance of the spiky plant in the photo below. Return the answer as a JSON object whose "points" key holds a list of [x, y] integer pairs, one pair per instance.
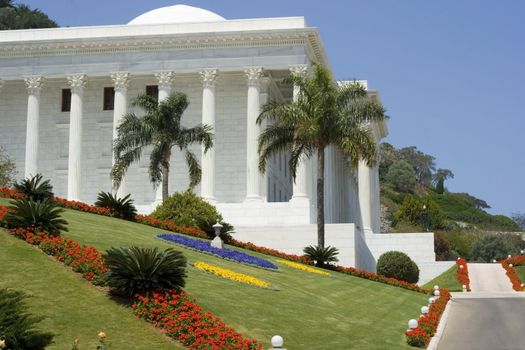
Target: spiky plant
{"points": [[46, 215], [322, 255], [35, 188], [17, 326], [119, 207], [141, 270]]}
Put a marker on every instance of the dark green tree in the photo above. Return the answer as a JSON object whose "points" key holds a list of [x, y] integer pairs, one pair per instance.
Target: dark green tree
{"points": [[439, 178], [388, 155], [402, 176], [424, 164], [162, 129], [19, 16], [324, 114]]}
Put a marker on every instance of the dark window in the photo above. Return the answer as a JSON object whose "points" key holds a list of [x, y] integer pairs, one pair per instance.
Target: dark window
{"points": [[153, 91], [66, 100], [109, 98]]}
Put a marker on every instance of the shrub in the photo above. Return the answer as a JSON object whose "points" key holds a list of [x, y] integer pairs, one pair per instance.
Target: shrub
{"points": [[142, 270], [441, 248], [17, 325], [7, 169], [35, 189], [119, 207], [320, 255], [45, 215], [413, 210], [399, 266], [188, 209], [495, 246], [402, 176]]}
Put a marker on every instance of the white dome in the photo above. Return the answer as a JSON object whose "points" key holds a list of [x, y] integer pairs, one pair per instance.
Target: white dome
{"points": [[177, 14]]}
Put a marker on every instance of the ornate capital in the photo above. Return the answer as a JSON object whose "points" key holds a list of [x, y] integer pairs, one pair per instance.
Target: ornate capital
{"points": [[208, 76], [165, 78], [77, 81], [120, 80], [253, 75], [300, 70], [34, 84]]}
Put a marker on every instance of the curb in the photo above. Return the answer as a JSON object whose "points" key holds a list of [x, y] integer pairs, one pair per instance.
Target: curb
{"points": [[434, 342]]}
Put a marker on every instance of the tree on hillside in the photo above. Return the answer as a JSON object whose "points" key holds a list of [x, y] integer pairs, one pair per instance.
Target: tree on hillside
{"points": [[519, 218], [323, 114], [478, 203], [162, 129], [7, 169], [402, 176], [424, 164], [19, 16], [387, 156], [438, 179]]}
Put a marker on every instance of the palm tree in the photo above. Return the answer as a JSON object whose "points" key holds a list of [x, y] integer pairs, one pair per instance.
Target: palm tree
{"points": [[160, 128], [323, 114], [439, 178]]}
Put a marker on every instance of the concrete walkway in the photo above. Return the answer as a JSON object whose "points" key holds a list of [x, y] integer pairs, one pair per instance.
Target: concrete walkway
{"points": [[488, 278], [491, 317]]}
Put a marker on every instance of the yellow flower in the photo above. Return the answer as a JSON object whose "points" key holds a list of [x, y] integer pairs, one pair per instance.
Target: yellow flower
{"points": [[303, 267], [2, 344], [101, 335], [231, 275]]}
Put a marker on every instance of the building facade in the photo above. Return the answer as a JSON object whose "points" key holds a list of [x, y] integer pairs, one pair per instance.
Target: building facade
{"points": [[64, 91]]}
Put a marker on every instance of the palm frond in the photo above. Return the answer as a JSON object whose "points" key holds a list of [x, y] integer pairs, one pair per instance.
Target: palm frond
{"points": [[194, 169], [202, 134]]}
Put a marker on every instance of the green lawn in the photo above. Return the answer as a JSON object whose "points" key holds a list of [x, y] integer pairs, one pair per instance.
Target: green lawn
{"points": [[520, 271], [309, 311], [447, 280]]}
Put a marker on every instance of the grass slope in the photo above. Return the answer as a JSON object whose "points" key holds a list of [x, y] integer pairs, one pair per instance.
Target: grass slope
{"points": [[309, 311], [447, 280]]}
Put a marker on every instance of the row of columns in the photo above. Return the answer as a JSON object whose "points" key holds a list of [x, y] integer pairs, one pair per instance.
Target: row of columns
{"points": [[121, 80]]}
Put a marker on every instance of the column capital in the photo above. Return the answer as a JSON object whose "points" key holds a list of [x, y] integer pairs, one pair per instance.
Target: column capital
{"points": [[34, 84], [165, 78], [253, 75], [299, 70], [120, 80], [208, 77], [77, 82]]}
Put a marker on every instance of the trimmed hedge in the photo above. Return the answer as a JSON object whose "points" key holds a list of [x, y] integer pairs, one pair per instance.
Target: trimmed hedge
{"points": [[399, 266]]}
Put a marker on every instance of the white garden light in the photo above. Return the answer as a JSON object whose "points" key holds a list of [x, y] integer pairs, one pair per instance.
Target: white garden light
{"points": [[437, 293], [461, 266], [412, 324], [510, 265], [424, 310], [436, 287], [431, 300], [277, 342], [509, 256]]}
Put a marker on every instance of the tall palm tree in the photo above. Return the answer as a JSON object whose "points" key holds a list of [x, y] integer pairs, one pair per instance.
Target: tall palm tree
{"points": [[323, 114], [160, 128]]}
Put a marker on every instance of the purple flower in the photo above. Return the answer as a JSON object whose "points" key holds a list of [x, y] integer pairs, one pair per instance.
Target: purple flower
{"points": [[225, 253]]}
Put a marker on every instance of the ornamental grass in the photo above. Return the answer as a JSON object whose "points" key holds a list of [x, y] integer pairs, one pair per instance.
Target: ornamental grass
{"points": [[232, 275], [303, 267]]}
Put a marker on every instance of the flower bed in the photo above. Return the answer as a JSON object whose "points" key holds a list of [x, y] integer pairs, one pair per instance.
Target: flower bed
{"points": [[463, 273], [232, 275], [205, 247], [303, 267], [9, 193], [427, 324], [511, 272], [3, 212], [181, 318], [170, 226]]}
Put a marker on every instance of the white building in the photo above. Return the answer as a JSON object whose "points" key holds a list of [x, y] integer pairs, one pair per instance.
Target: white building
{"points": [[64, 90]]}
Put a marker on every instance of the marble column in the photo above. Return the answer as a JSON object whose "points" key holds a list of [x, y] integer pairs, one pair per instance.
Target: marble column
{"points": [[300, 184], [77, 83], [120, 108], [34, 86], [253, 176], [365, 193], [208, 77], [165, 81]]}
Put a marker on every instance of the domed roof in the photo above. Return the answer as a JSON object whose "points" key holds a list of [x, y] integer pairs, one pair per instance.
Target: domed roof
{"points": [[177, 14]]}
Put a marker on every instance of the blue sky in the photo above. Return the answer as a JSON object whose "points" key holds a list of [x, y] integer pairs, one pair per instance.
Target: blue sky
{"points": [[451, 73]]}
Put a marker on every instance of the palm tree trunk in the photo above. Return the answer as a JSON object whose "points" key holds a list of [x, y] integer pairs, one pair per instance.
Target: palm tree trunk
{"points": [[320, 198], [165, 179]]}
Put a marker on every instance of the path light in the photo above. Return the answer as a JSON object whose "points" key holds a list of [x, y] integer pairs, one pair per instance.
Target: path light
{"points": [[424, 310], [437, 293], [509, 256], [461, 266], [277, 342], [464, 287], [412, 324], [522, 251], [217, 241], [522, 285], [436, 287], [458, 258], [510, 265], [431, 300], [494, 260]]}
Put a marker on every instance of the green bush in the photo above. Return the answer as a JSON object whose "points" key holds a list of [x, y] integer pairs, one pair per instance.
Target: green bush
{"points": [[496, 246], [35, 188], [402, 176], [399, 266], [322, 256], [47, 215], [414, 209], [188, 209], [141, 270], [460, 241], [119, 207], [18, 326]]}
